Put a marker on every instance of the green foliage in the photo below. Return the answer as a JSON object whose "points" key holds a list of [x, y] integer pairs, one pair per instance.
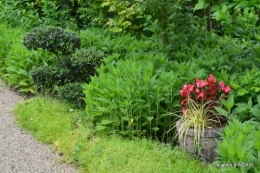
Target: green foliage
{"points": [[239, 18], [82, 64], [122, 15], [240, 147], [31, 14], [63, 82], [125, 45], [135, 97], [8, 37], [244, 111], [246, 84], [46, 76], [56, 13], [19, 13], [52, 39], [89, 14], [17, 61], [73, 93]]}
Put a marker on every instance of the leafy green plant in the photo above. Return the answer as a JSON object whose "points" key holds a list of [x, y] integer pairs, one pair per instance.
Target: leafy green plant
{"points": [[125, 98], [239, 151], [20, 13], [124, 45], [46, 76], [134, 97], [8, 37], [18, 61], [53, 39], [82, 64], [72, 92], [31, 14], [90, 14], [246, 85]]}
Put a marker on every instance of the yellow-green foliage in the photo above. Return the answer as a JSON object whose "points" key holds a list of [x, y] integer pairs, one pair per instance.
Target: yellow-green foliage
{"points": [[55, 123], [123, 13]]}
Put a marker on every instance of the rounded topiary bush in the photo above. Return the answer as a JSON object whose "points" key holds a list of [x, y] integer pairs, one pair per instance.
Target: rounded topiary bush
{"points": [[46, 76], [52, 39], [83, 63]]}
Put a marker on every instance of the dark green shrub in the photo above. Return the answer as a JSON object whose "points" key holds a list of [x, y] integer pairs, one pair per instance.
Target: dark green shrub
{"points": [[52, 39], [44, 77], [83, 63], [72, 92], [80, 66]]}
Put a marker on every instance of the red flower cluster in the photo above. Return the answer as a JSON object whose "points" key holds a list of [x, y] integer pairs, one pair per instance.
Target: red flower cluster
{"points": [[203, 91]]}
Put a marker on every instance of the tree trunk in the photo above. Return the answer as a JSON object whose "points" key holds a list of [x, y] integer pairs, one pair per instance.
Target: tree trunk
{"points": [[209, 22]]}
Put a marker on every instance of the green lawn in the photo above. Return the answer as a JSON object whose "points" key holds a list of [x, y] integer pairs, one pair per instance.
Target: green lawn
{"points": [[55, 123]]}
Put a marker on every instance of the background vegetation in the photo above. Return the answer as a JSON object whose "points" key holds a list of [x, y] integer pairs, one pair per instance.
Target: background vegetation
{"points": [[133, 58]]}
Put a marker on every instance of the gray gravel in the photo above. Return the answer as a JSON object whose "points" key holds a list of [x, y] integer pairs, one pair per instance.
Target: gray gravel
{"points": [[19, 152]]}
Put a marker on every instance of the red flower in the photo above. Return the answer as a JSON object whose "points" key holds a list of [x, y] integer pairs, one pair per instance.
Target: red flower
{"points": [[184, 101], [186, 90], [201, 95], [227, 89], [221, 84], [203, 91], [212, 79], [201, 83]]}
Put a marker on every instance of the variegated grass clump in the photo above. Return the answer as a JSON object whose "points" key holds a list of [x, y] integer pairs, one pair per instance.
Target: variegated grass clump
{"points": [[199, 117]]}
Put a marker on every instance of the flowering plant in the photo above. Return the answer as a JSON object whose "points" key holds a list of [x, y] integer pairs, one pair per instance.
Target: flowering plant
{"points": [[198, 112], [204, 91]]}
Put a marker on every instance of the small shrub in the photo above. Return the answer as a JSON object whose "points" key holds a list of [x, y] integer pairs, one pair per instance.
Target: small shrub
{"points": [[46, 76], [83, 63], [53, 39], [72, 92]]}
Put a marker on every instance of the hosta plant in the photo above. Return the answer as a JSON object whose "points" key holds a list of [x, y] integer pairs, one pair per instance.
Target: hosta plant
{"points": [[198, 107]]}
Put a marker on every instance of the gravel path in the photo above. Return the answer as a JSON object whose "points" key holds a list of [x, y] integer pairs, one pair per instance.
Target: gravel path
{"points": [[19, 152]]}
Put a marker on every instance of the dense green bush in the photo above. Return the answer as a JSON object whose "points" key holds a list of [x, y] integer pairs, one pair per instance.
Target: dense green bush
{"points": [[79, 67], [46, 76], [125, 45], [8, 37], [52, 39], [137, 97], [246, 84], [73, 93], [240, 149], [83, 63], [31, 14]]}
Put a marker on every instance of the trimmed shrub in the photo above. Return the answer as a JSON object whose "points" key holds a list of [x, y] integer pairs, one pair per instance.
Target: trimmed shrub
{"points": [[83, 63], [72, 92]]}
